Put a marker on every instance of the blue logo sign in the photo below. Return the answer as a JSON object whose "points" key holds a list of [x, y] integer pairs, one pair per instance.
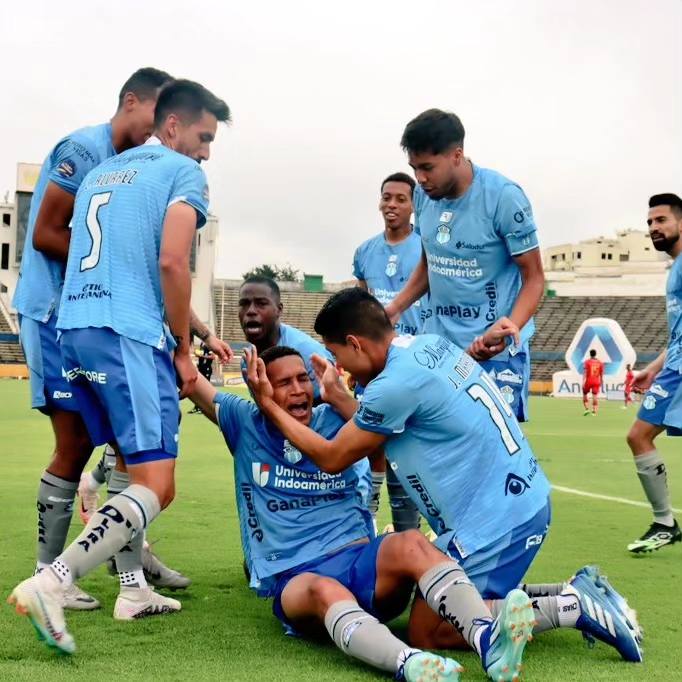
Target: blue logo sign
{"points": [[584, 344]]}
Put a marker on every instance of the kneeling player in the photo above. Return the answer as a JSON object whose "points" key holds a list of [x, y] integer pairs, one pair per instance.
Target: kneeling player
{"points": [[308, 541], [454, 443]]}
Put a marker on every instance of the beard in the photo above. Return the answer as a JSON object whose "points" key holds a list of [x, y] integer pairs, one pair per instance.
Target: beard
{"points": [[663, 243]]}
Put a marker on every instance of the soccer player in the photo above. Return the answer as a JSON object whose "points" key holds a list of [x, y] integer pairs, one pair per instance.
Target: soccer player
{"points": [[593, 372], [259, 309], [310, 545], [457, 448], [134, 222], [627, 386], [37, 300], [382, 265], [661, 381], [481, 261]]}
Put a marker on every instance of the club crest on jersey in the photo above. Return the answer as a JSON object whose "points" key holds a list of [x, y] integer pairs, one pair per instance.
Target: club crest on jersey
{"points": [[392, 266], [291, 453], [649, 402], [446, 216], [66, 168], [507, 393], [443, 234], [261, 473]]}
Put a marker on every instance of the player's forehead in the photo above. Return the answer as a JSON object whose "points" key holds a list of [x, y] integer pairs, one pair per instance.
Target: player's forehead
{"points": [[254, 290], [396, 188], [663, 211], [288, 367]]}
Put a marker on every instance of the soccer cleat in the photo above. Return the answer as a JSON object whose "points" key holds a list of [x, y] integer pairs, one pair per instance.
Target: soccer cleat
{"points": [[656, 537], [76, 599], [134, 603], [586, 413], [423, 666], [156, 573], [599, 619], [502, 646], [89, 499], [40, 598], [615, 598]]}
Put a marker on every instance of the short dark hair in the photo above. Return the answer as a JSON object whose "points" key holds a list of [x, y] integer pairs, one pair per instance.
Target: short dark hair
{"points": [[433, 132], [667, 199], [261, 279], [144, 84], [593, 353], [276, 352], [352, 311], [400, 177], [189, 98]]}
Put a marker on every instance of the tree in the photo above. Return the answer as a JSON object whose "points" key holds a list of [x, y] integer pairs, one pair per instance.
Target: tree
{"points": [[281, 273]]}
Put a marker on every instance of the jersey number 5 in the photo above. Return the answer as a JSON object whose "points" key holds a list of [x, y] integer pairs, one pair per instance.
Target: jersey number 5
{"points": [[94, 228], [491, 398]]}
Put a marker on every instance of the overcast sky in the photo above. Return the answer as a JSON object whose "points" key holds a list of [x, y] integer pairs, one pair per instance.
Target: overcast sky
{"points": [[579, 102]]}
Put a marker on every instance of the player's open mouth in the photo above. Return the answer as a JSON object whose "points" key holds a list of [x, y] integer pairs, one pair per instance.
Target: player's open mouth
{"points": [[253, 328], [391, 216], [298, 410]]}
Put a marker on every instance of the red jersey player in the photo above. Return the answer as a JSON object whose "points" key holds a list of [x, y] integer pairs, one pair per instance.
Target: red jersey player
{"points": [[627, 387], [592, 376]]}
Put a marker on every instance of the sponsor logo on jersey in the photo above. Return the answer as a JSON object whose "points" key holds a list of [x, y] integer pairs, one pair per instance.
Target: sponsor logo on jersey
{"points": [[515, 485], [431, 355], [507, 393], [392, 266], [443, 234], [491, 293], [252, 521], [534, 541], [658, 390], [261, 473], [649, 402], [446, 216], [66, 168], [369, 416], [461, 311], [509, 377], [431, 509], [470, 246], [449, 266], [277, 505], [291, 453], [59, 395], [521, 215], [91, 375]]}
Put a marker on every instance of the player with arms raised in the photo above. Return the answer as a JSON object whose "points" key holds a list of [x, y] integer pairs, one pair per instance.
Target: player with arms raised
{"points": [[593, 372], [481, 260], [661, 381], [128, 270]]}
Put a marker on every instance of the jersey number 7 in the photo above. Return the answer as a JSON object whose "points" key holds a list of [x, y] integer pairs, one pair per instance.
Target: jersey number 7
{"points": [[94, 228]]}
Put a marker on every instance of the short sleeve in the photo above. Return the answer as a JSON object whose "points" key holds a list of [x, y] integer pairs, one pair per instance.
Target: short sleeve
{"points": [[190, 187], [232, 411], [358, 272], [417, 197], [386, 406], [514, 221], [71, 160]]}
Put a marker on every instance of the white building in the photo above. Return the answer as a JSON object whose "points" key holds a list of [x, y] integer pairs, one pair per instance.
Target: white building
{"points": [[14, 218], [627, 265]]}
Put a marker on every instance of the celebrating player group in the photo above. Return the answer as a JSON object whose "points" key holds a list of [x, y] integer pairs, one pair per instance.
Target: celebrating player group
{"points": [[436, 339]]}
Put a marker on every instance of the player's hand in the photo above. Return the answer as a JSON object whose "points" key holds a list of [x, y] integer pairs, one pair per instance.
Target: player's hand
{"points": [[643, 380], [186, 373], [494, 340], [257, 378], [327, 377], [220, 348], [393, 314]]}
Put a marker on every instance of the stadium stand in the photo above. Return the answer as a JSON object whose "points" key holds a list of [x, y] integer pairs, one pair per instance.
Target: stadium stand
{"points": [[642, 318], [10, 349]]}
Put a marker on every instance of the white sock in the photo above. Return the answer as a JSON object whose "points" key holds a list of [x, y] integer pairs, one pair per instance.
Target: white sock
{"points": [[568, 608]]}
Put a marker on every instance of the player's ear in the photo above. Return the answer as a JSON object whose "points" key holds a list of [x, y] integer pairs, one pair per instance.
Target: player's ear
{"points": [[354, 342], [129, 101]]}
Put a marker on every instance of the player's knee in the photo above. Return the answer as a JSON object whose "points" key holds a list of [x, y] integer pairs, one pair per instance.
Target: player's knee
{"points": [[411, 549], [324, 592], [638, 440]]}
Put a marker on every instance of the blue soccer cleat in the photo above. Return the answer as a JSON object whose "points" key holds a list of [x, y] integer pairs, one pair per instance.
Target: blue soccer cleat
{"points": [[615, 598], [600, 619], [423, 666], [502, 646]]}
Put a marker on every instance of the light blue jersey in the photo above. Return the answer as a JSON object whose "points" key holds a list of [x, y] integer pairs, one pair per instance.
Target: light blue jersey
{"points": [[386, 268], [290, 512], [673, 304], [41, 278], [469, 244], [112, 276], [453, 443]]}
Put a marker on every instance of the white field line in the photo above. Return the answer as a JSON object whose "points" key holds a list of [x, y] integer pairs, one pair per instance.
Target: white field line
{"points": [[607, 498]]}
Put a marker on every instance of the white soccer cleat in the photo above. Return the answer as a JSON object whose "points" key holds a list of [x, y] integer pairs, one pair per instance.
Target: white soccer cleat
{"points": [[134, 603], [76, 599], [89, 498], [40, 598]]}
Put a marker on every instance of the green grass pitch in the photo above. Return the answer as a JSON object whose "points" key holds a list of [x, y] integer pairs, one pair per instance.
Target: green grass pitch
{"points": [[226, 633]]}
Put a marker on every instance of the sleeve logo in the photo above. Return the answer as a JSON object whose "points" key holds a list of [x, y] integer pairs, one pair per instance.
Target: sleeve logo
{"points": [[66, 168]]}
